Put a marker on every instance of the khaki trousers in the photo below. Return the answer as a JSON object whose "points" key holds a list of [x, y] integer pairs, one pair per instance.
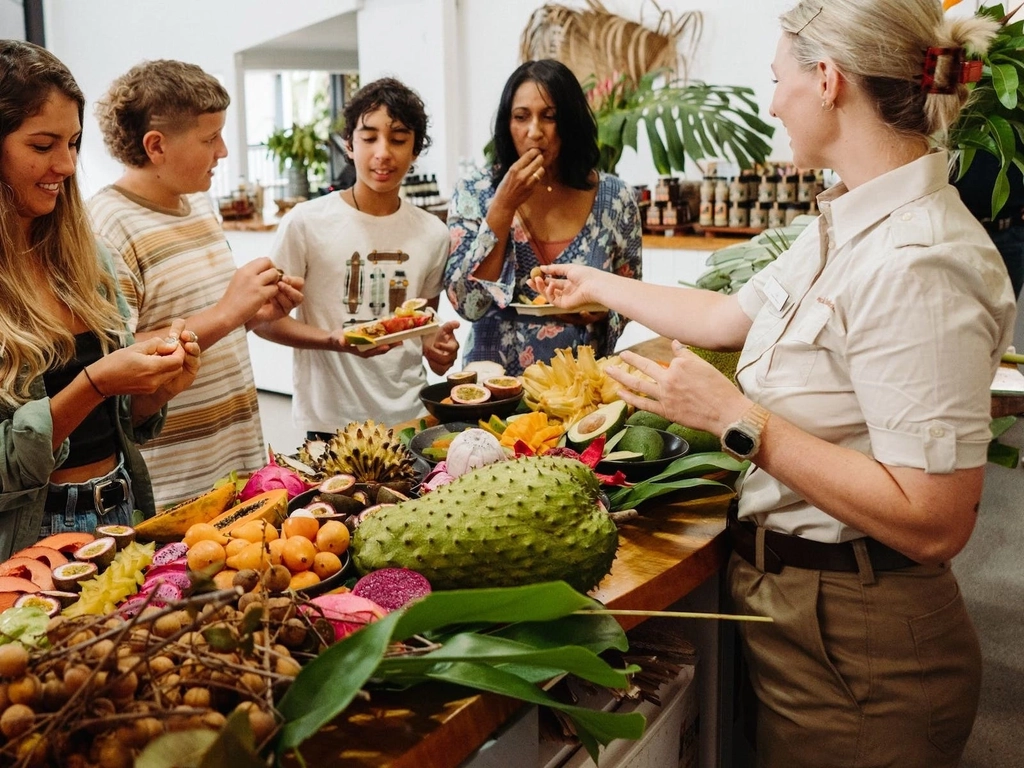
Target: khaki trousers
{"points": [[858, 670]]}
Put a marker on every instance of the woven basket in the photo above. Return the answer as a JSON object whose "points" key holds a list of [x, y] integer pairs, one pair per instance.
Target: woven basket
{"points": [[595, 42]]}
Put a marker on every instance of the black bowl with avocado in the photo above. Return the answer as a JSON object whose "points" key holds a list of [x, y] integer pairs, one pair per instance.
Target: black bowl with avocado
{"points": [[630, 459]]}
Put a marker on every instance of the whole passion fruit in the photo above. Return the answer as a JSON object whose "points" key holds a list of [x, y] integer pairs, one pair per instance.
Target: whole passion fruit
{"points": [[470, 394]]}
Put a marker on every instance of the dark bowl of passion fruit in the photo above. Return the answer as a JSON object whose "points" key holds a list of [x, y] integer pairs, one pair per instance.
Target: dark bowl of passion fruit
{"points": [[637, 469], [439, 402]]}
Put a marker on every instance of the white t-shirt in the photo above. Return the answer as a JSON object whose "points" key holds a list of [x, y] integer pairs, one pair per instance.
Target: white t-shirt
{"points": [[879, 330], [318, 240]]}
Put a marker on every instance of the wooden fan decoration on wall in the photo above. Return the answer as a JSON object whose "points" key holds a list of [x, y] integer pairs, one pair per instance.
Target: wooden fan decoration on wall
{"points": [[595, 42]]}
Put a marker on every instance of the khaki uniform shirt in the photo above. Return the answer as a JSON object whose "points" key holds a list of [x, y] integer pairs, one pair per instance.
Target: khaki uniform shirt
{"points": [[879, 330]]}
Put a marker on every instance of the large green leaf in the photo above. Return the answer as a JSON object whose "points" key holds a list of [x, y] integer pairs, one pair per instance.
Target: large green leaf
{"points": [[327, 685], [592, 727], [1005, 81]]}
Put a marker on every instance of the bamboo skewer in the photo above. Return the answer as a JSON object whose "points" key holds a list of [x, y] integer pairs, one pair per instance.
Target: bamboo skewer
{"points": [[677, 615]]}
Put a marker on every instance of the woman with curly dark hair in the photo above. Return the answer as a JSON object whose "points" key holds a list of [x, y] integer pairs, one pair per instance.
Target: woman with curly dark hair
{"points": [[543, 202]]}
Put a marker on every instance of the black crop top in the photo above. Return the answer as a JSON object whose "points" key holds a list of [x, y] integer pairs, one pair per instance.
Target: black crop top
{"points": [[93, 439]]}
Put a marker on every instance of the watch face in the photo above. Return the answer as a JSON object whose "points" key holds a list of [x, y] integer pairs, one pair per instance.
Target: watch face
{"points": [[738, 443]]}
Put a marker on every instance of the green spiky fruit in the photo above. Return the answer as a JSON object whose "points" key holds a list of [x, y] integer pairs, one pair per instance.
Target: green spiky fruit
{"points": [[515, 522]]}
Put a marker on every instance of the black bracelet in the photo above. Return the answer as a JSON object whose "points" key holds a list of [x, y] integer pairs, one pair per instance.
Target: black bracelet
{"points": [[93, 383]]}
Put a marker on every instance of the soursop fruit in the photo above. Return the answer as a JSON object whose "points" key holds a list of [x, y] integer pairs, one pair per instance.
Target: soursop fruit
{"points": [[522, 521]]}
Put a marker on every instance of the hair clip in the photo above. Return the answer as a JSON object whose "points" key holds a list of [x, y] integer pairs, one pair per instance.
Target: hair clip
{"points": [[952, 70], [821, 7]]}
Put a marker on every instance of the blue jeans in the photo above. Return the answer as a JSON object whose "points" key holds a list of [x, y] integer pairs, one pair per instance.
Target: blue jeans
{"points": [[82, 506]]}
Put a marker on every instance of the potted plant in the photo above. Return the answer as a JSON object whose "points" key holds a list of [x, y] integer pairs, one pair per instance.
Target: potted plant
{"points": [[682, 120], [991, 122], [298, 150]]}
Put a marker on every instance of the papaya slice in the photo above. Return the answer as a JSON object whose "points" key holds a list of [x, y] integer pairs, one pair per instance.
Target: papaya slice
{"points": [[26, 568], [13, 587], [66, 543], [172, 523], [52, 557], [271, 506]]}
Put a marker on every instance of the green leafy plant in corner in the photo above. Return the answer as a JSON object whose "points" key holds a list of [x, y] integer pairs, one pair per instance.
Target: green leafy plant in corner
{"points": [[992, 121], [299, 145], [682, 121]]}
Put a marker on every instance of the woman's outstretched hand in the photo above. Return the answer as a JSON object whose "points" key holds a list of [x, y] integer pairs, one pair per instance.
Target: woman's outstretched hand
{"points": [[566, 285], [688, 390]]}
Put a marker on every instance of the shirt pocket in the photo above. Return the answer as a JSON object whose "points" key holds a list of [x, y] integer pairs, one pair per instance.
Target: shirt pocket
{"points": [[791, 360]]}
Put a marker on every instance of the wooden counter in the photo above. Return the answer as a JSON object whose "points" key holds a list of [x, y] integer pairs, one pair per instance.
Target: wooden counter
{"points": [[663, 555], [690, 242]]}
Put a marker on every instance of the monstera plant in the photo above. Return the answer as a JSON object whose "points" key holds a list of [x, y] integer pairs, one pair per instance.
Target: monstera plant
{"points": [[681, 120]]}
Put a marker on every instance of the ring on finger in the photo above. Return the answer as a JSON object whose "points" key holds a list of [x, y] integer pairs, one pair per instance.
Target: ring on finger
{"points": [[536, 175]]}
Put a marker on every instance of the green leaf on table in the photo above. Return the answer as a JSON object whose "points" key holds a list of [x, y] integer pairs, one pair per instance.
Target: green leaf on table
{"points": [[592, 727], [179, 749], [328, 684], [1000, 426]]}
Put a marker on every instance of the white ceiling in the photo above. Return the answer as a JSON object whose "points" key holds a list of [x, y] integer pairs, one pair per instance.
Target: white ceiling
{"points": [[335, 34]]}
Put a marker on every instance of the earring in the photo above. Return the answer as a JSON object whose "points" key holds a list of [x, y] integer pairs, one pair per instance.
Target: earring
{"points": [[828, 106]]}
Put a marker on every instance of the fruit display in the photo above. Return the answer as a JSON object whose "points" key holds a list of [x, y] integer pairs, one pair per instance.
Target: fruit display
{"points": [[571, 387], [515, 522]]}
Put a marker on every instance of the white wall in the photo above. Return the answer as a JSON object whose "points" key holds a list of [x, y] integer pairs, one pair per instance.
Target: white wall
{"points": [[101, 39], [12, 20], [456, 53]]}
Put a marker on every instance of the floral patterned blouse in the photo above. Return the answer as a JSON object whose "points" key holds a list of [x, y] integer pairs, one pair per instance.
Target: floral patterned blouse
{"points": [[610, 239]]}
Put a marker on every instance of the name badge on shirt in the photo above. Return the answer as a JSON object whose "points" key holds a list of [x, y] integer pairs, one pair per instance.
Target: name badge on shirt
{"points": [[775, 294]]}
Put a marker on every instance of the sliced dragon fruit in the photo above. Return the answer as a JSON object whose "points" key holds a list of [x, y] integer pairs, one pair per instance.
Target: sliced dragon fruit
{"points": [[165, 593], [391, 588], [175, 566], [169, 552], [177, 578], [132, 606]]}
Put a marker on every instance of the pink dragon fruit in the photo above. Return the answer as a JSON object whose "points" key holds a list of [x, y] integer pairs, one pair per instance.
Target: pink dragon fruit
{"points": [[169, 553], [347, 612], [392, 588], [176, 578], [271, 478]]}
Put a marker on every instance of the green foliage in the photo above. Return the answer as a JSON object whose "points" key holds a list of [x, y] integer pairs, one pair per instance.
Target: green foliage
{"points": [[682, 120], [303, 145], [499, 640], [687, 472], [730, 267], [992, 120]]}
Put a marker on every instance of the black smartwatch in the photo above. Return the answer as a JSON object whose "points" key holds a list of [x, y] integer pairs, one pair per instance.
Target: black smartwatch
{"points": [[742, 438]]}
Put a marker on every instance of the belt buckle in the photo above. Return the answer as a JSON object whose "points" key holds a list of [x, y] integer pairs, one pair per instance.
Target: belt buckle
{"points": [[99, 488]]}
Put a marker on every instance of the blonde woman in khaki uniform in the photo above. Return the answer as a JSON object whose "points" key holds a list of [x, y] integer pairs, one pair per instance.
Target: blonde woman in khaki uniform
{"points": [[863, 402]]}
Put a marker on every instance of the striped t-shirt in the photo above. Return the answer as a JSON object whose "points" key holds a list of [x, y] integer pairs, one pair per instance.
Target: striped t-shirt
{"points": [[176, 263]]}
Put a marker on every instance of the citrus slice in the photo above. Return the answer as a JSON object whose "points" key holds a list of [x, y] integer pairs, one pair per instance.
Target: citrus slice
{"points": [[470, 394], [414, 304]]}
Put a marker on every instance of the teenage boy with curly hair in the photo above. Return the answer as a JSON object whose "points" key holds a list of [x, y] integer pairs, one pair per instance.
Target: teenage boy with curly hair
{"points": [[163, 121], [368, 225]]}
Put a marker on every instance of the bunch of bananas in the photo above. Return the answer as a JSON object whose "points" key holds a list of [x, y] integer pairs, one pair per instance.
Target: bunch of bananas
{"points": [[571, 387]]}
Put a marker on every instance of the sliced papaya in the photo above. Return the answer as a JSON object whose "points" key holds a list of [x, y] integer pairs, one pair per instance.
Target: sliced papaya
{"points": [[271, 506], [52, 557], [66, 543], [27, 568], [13, 587], [172, 523]]}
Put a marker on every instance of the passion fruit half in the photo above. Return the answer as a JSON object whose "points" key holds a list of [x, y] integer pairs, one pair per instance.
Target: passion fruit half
{"points": [[503, 387], [68, 577], [469, 394], [51, 606], [100, 551], [123, 535]]}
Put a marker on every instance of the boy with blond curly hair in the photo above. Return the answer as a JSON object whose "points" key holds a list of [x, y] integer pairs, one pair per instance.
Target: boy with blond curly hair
{"points": [[163, 121]]}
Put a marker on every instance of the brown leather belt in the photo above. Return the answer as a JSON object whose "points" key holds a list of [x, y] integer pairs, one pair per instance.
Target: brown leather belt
{"points": [[782, 550]]}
